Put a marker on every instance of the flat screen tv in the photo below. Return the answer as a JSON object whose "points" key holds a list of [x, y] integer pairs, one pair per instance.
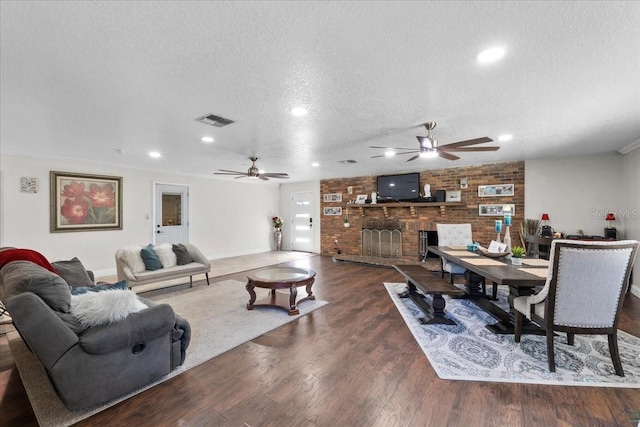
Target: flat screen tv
{"points": [[399, 187]]}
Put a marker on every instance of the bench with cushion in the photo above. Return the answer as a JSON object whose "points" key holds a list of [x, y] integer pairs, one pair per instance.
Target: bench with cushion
{"points": [[140, 265]]}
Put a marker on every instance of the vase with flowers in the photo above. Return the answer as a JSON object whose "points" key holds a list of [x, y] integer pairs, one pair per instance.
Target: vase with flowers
{"points": [[277, 224]]}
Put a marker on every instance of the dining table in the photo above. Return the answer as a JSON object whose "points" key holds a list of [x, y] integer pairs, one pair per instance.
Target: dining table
{"points": [[521, 280]]}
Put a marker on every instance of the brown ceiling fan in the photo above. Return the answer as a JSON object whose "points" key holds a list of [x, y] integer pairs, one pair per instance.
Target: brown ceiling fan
{"points": [[253, 171], [429, 147]]}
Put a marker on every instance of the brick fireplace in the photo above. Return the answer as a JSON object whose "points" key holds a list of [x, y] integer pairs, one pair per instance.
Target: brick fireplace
{"points": [[411, 221]]}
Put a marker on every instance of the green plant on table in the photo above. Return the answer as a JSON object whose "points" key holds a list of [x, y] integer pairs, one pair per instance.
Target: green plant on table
{"points": [[517, 251]]}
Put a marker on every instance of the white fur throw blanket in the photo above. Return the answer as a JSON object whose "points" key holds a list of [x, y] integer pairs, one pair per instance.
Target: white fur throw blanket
{"points": [[99, 308]]}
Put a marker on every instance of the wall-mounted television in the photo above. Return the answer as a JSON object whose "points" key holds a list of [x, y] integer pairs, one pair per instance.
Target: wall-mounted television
{"points": [[399, 187]]}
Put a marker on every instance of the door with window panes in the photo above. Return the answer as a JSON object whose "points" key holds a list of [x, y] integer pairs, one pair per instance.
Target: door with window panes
{"points": [[302, 222]]}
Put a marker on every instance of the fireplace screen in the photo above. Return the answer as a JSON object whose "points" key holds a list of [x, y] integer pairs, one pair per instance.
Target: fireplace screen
{"points": [[381, 243]]}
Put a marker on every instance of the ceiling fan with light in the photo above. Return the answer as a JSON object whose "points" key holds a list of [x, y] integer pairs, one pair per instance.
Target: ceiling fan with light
{"points": [[253, 172], [430, 148]]}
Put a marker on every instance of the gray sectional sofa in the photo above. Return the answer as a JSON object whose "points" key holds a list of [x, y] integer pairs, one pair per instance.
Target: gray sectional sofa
{"points": [[90, 365]]}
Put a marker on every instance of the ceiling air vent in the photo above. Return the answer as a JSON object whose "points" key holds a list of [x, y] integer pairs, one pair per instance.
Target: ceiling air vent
{"points": [[213, 120], [348, 161]]}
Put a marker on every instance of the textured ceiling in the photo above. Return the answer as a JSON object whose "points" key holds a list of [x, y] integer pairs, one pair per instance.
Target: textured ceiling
{"points": [[84, 79]]}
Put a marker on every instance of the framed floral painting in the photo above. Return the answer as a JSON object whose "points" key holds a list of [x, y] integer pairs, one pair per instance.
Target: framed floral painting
{"points": [[82, 202]]}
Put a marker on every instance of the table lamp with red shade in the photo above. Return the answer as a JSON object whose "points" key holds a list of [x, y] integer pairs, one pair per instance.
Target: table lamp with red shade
{"points": [[546, 229], [610, 232]]}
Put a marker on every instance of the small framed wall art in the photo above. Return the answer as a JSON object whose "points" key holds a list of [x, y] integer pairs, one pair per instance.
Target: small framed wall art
{"points": [[496, 209], [332, 211], [83, 202], [332, 197], [495, 190], [454, 196], [28, 184]]}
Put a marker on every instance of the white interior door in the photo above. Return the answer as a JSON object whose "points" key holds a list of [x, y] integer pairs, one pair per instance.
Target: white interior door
{"points": [[302, 208], [171, 214]]}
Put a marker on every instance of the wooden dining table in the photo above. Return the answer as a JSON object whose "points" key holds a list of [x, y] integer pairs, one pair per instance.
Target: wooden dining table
{"points": [[521, 280]]}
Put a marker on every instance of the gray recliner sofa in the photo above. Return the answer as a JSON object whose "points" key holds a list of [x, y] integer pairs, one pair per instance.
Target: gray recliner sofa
{"points": [[90, 366]]}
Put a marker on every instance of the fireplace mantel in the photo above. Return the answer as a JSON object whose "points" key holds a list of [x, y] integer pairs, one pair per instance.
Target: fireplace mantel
{"points": [[413, 207]]}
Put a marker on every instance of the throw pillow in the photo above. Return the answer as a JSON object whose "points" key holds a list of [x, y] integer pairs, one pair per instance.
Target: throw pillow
{"points": [[79, 290], [167, 256], [182, 254], [24, 276], [131, 256], [151, 260], [100, 308], [14, 254], [73, 272]]}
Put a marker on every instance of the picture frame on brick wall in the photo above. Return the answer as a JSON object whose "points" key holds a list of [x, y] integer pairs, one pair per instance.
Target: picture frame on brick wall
{"points": [[496, 209], [332, 197], [500, 190], [332, 211], [454, 196]]}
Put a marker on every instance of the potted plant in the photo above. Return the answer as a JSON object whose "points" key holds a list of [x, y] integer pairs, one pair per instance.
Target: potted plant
{"points": [[517, 252], [346, 222]]}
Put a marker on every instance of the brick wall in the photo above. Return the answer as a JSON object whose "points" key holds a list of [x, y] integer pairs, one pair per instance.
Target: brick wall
{"points": [[426, 218]]}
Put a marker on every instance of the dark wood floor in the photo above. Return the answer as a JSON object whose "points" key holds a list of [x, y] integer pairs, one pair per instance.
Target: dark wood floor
{"points": [[350, 363]]}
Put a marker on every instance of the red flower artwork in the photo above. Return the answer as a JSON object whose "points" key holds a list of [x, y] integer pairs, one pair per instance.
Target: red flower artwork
{"points": [[75, 189], [102, 195], [75, 210]]}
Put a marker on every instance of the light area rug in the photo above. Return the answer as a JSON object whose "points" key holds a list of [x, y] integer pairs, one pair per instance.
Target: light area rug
{"points": [[219, 322], [469, 351]]}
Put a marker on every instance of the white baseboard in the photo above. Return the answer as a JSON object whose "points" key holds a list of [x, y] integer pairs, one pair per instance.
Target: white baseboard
{"points": [[635, 289]]}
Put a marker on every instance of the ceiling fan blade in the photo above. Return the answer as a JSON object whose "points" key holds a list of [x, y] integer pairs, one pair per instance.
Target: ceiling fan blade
{"points": [[243, 176], [230, 172], [276, 175], [456, 149], [391, 148], [263, 177], [447, 156], [468, 142], [397, 154], [413, 158]]}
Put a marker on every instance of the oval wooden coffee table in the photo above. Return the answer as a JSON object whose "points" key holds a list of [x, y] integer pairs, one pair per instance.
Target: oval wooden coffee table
{"points": [[275, 278]]}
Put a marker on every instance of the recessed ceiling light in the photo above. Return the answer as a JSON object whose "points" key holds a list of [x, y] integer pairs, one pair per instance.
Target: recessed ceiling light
{"points": [[315, 164], [207, 139], [299, 111], [505, 137], [155, 154], [389, 153], [119, 151], [490, 55]]}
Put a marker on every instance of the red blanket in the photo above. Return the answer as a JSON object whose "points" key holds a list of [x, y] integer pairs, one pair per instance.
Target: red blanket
{"points": [[8, 255]]}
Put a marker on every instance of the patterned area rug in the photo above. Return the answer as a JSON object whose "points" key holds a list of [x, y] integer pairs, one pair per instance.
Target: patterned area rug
{"points": [[469, 351]]}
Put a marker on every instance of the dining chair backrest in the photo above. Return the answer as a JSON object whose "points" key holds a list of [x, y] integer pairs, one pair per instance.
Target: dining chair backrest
{"points": [[586, 282], [454, 234], [538, 246]]}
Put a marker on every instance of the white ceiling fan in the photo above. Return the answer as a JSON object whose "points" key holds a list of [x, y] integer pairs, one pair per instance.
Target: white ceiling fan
{"points": [[253, 172]]}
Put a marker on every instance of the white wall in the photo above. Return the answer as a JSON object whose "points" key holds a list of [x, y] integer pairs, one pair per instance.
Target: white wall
{"points": [[285, 210], [576, 192], [631, 215], [227, 217]]}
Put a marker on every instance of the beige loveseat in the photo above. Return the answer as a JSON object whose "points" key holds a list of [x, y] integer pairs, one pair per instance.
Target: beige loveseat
{"points": [[131, 267]]}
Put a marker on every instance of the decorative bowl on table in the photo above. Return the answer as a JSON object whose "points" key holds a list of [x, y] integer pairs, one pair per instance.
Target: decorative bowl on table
{"points": [[492, 254]]}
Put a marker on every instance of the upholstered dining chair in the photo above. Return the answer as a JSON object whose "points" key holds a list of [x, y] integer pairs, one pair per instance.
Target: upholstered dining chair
{"points": [[583, 293], [453, 235]]}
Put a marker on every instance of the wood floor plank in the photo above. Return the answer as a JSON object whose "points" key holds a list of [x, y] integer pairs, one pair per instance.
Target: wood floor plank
{"points": [[353, 362]]}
